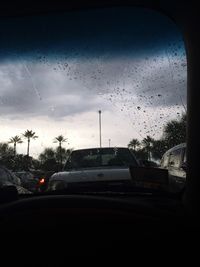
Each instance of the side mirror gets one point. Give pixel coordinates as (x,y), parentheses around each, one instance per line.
(184,166)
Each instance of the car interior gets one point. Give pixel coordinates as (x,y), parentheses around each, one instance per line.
(158,228)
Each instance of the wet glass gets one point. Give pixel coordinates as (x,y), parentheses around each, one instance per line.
(58,71)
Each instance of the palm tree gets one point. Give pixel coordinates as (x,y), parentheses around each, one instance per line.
(159,147)
(47,159)
(133,144)
(5,150)
(65,153)
(147,144)
(175,131)
(15,140)
(47,154)
(60,139)
(6,155)
(29,134)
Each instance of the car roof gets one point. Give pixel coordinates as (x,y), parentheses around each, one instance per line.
(182,145)
(100,148)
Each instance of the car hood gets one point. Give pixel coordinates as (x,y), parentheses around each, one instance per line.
(91,175)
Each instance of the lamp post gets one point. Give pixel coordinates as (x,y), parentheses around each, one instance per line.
(109,142)
(99,128)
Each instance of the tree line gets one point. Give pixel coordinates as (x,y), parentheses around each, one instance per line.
(174,133)
(49,159)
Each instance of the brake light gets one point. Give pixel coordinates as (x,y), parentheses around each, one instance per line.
(41,181)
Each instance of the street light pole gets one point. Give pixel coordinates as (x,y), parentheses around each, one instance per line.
(109,142)
(100,128)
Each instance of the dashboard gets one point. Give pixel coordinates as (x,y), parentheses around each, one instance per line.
(64,226)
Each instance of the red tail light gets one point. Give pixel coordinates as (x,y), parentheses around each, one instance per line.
(42,181)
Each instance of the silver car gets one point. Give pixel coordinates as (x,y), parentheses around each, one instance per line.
(174,160)
(28,180)
(8,178)
(94,166)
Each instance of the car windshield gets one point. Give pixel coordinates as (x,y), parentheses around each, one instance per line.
(102,88)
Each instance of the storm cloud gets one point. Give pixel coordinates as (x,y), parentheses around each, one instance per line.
(63,88)
(37,90)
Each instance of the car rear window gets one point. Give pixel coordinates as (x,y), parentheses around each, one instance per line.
(100,158)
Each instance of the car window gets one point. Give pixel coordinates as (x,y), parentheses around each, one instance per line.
(175,158)
(103,78)
(105,157)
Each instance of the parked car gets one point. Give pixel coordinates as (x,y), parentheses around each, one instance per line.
(99,165)
(147,163)
(28,180)
(8,178)
(175,161)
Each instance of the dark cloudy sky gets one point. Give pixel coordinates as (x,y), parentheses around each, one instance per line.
(57,72)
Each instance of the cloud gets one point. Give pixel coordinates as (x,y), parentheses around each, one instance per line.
(58,89)
(155,81)
(39,90)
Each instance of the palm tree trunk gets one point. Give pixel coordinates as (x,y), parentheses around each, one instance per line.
(60,153)
(28,147)
(14,149)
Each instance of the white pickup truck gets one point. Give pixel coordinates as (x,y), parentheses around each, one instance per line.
(94,166)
